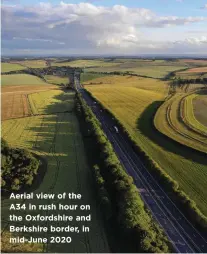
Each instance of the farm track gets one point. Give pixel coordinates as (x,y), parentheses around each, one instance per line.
(183,235)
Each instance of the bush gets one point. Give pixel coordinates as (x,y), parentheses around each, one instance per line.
(18,168)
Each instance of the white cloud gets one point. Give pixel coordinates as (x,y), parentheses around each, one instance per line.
(84,26)
(204,7)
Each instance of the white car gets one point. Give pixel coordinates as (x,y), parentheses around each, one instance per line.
(116,129)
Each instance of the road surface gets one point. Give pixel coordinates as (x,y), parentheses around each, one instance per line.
(184,237)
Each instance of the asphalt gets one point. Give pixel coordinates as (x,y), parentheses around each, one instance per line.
(184,237)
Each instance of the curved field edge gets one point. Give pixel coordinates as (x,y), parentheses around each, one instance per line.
(171,176)
(170,119)
(190,117)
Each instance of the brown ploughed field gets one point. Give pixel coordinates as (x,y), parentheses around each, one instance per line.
(15,102)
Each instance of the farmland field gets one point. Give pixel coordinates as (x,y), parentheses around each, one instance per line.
(143,67)
(15,102)
(193,73)
(85,63)
(56,79)
(191,63)
(135,108)
(90,76)
(56,138)
(32,63)
(174,120)
(151,70)
(7,67)
(136,82)
(21,79)
(199,108)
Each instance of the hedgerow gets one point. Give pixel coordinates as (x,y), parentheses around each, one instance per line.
(116,187)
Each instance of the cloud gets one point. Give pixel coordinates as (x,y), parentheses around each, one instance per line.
(204,7)
(85,27)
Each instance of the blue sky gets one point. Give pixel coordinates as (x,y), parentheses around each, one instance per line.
(104,26)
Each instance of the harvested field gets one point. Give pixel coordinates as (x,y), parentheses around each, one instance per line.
(135,108)
(15,102)
(200,108)
(56,138)
(21,79)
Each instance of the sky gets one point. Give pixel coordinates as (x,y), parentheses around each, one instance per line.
(103,27)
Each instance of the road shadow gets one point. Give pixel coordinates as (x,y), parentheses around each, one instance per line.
(146,126)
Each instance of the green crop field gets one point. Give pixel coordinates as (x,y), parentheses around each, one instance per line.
(7,67)
(21,79)
(56,138)
(135,106)
(56,79)
(90,76)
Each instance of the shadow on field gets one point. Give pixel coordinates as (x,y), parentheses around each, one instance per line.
(146,126)
(54,137)
(64,103)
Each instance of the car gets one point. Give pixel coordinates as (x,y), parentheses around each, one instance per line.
(116,129)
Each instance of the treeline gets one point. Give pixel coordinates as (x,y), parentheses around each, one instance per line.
(187,205)
(118,196)
(120,73)
(18,168)
(181,81)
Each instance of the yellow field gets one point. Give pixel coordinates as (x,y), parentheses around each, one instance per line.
(130,81)
(50,102)
(173,119)
(135,105)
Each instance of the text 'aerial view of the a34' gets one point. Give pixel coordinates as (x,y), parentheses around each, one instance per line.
(103,126)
